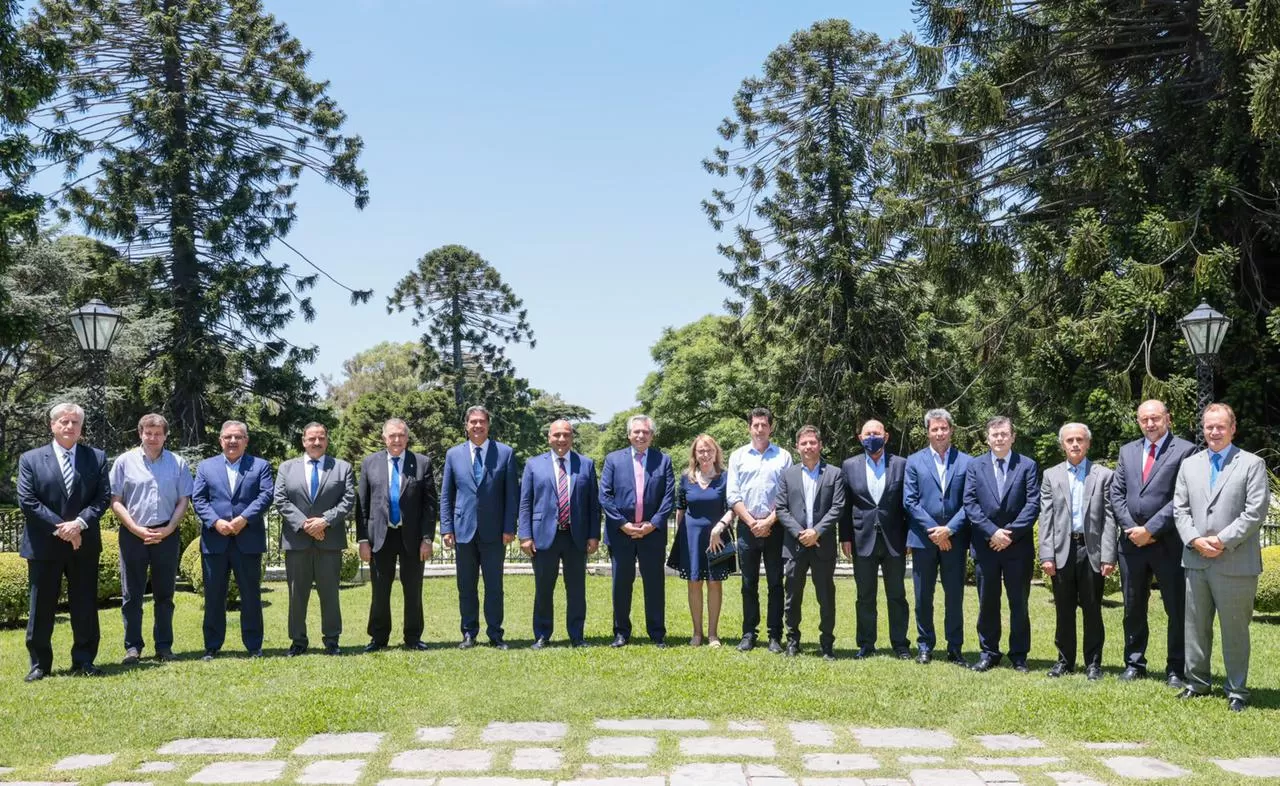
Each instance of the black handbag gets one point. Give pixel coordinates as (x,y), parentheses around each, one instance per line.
(728,551)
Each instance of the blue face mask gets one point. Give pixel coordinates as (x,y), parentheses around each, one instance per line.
(873,444)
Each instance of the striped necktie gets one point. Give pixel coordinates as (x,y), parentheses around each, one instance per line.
(562,497)
(68,472)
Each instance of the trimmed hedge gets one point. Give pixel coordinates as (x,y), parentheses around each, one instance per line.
(1268,599)
(350,564)
(191,568)
(13,588)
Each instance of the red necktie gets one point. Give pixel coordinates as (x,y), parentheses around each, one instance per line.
(562,495)
(1149,463)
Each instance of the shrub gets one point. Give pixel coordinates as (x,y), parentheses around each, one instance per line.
(191,568)
(13,588)
(1268,599)
(350,564)
(188,529)
(109,567)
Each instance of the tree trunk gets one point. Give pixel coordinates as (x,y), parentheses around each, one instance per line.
(456,304)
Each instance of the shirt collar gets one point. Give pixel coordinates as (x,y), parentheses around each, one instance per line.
(816,471)
(234,464)
(884,457)
(484,447)
(939,458)
(59,450)
(1146,443)
(635,453)
(1225,453)
(770,448)
(308,459)
(1079,470)
(1008,459)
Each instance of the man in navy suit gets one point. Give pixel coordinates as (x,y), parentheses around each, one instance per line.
(559,525)
(1002,501)
(62,490)
(478,506)
(876,524)
(636,529)
(937,534)
(231,494)
(1142,498)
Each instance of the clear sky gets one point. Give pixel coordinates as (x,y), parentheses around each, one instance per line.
(562,140)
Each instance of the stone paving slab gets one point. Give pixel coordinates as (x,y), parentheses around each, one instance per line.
(6,770)
(442,760)
(493,782)
(812,734)
(912,759)
(610,747)
(772,781)
(839,762)
(999,776)
(156,766)
(339,744)
(838,782)
(1074,779)
(904,738)
(407,782)
(765,771)
(338,771)
(536,759)
(746,726)
(1112,746)
(654,724)
(1144,768)
(883,782)
(85,761)
(650,781)
(1014,761)
(709,775)
(41,783)
(945,778)
(239,772)
(754,747)
(201,746)
(436,734)
(525,731)
(1008,742)
(130,783)
(1255,767)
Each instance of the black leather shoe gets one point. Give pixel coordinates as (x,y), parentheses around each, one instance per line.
(619,641)
(775,646)
(131,656)
(332,649)
(1236,705)
(35,675)
(1132,673)
(209,655)
(1174,681)
(166,656)
(792,650)
(747,644)
(374,646)
(828,655)
(864,652)
(925,657)
(540,644)
(1059,670)
(902,654)
(295,650)
(985,663)
(256,654)
(1187,693)
(660,644)
(956,657)
(1093,673)
(1020,666)
(468,641)
(578,644)
(416,646)
(498,644)
(87,670)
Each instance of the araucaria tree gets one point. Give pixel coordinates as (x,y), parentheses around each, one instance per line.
(193,121)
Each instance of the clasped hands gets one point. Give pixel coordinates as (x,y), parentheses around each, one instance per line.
(1001,540)
(529,549)
(940,537)
(1210,546)
(70,532)
(761,527)
(639,530)
(232,527)
(1050,568)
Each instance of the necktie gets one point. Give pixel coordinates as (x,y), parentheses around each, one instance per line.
(394,492)
(562,497)
(639,487)
(1149,463)
(315,478)
(1215,466)
(68,472)
(1000,477)
(477,467)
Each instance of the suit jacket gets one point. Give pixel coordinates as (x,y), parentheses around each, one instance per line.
(618,490)
(540,500)
(1149,504)
(862,513)
(334,501)
(793,514)
(927,506)
(213,499)
(483,512)
(1055,516)
(989,511)
(1233,510)
(45,503)
(419,502)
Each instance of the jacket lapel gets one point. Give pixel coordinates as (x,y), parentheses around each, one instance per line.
(1090,480)
(54,468)
(1155,465)
(1223,474)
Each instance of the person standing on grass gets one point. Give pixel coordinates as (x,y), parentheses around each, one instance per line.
(702,524)
(150,493)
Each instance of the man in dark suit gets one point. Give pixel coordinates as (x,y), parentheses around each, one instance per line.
(1077,547)
(314,495)
(1142,498)
(396,522)
(478,506)
(559,525)
(937,534)
(1002,501)
(810,502)
(637,494)
(230,495)
(875,523)
(62,490)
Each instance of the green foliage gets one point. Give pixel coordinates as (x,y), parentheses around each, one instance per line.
(1267,600)
(109,568)
(350,565)
(191,568)
(13,588)
(430,414)
(391,367)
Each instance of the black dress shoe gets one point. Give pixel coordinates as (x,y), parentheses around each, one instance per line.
(416,646)
(468,641)
(256,654)
(1060,670)
(925,657)
(864,652)
(985,663)
(540,644)
(1132,673)
(1094,672)
(374,646)
(578,644)
(956,657)
(498,644)
(131,656)
(87,670)
(332,649)
(35,675)
(902,654)
(775,646)
(619,641)
(828,655)
(209,655)
(792,650)
(1020,666)
(166,656)
(1236,705)
(747,644)
(1174,681)
(660,644)
(1187,693)
(295,650)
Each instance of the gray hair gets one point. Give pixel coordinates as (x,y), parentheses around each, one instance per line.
(240,424)
(394,422)
(647,420)
(565,421)
(1065,426)
(66,408)
(314,424)
(938,414)
(1000,420)
(474,408)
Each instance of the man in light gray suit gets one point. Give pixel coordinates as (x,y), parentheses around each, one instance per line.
(1218,505)
(1077,547)
(314,495)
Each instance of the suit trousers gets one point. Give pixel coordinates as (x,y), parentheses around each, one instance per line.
(1231,598)
(1014,572)
(136,561)
(546,568)
(650,552)
(796,571)
(1078,585)
(218,569)
(1136,569)
(751,552)
(382,574)
(472,560)
(45,577)
(926,564)
(321,568)
(865,572)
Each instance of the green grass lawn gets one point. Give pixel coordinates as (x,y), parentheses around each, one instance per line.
(134,710)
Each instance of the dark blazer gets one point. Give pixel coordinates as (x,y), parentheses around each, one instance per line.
(1149,504)
(540,500)
(862,513)
(618,490)
(828,507)
(213,500)
(1016,511)
(45,503)
(925,503)
(419,503)
(485,512)
(334,501)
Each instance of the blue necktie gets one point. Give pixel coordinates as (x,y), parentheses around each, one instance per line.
(1000,477)
(1215,466)
(315,478)
(477,467)
(68,473)
(394,496)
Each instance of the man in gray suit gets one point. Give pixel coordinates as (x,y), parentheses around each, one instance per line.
(1077,547)
(314,495)
(810,501)
(1218,505)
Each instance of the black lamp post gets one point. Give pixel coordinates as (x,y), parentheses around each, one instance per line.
(96,326)
(1204,330)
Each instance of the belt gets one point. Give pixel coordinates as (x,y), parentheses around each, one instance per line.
(1077,538)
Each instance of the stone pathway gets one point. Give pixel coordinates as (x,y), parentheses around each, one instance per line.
(640,752)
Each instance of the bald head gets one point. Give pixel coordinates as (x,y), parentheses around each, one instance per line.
(873,437)
(1153,419)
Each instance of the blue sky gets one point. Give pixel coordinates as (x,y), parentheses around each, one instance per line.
(559,139)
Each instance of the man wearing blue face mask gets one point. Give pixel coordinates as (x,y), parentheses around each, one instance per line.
(875,523)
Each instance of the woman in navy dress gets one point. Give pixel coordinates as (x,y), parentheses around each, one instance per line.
(702,518)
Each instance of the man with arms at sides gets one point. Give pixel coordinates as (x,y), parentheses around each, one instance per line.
(62,491)
(559,525)
(150,492)
(754,472)
(810,499)
(231,495)
(478,507)
(937,534)
(314,495)
(1002,501)
(396,522)
(1220,500)
(1077,547)
(875,523)
(1142,498)
(637,494)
